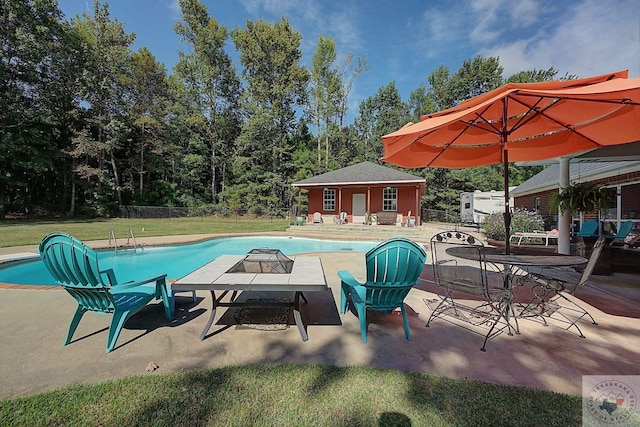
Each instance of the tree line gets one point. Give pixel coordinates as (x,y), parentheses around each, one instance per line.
(87,124)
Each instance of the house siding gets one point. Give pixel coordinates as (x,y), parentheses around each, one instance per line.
(406,199)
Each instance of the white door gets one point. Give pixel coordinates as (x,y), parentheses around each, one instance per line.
(359,208)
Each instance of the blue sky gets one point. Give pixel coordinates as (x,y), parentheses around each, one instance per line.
(405,40)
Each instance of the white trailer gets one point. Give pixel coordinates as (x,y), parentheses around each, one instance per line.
(476,205)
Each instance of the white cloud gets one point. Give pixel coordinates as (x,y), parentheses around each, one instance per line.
(591,37)
(525,12)
(291,9)
(438,30)
(487,14)
(174,10)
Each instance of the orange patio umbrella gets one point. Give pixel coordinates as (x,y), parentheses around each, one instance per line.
(522,122)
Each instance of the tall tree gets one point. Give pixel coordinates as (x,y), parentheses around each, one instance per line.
(349,74)
(324,92)
(379,114)
(276,87)
(147,102)
(530,76)
(420,103)
(37,71)
(439,90)
(209,78)
(475,76)
(107,55)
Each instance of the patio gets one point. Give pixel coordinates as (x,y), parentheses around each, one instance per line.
(550,358)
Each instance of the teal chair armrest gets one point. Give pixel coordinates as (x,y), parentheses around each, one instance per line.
(359,294)
(347,282)
(134,284)
(111,276)
(161,292)
(348,279)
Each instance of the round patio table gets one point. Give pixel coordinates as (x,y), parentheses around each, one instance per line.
(497,256)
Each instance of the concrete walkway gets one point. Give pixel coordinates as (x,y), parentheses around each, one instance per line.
(35,322)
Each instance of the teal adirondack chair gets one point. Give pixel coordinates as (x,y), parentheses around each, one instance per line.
(625,229)
(393,268)
(74,265)
(589,229)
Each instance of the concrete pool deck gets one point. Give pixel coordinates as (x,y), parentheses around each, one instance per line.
(35,322)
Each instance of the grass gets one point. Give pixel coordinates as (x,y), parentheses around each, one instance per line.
(18,233)
(296,395)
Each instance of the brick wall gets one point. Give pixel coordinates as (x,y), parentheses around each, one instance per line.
(630,199)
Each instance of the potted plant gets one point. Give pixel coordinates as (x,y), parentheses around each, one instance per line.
(584,197)
(367,218)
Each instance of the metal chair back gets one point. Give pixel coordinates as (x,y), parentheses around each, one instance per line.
(465,272)
(591,264)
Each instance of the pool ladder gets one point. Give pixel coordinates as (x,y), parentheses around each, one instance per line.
(130,238)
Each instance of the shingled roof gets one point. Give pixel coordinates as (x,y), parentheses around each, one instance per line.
(362,173)
(581,172)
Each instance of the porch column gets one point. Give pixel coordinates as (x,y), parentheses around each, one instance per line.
(339,200)
(564,220)
(417,213)
(618,206)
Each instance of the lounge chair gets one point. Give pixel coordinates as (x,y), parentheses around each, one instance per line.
(633,243)
(555,282)
(589,229)
(393,268)
(546,235)
(74,266)
(342,219)
(618,238)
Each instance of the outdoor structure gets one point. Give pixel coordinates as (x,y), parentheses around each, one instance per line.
(476,205)
(365,191)
(623,178)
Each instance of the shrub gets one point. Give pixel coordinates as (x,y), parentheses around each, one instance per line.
(522,220)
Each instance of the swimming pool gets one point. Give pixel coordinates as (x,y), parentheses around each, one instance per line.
(177,260)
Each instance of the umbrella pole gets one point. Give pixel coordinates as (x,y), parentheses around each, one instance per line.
(507,210)
(505,172)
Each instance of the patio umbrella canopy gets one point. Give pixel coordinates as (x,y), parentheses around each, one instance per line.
(522,122)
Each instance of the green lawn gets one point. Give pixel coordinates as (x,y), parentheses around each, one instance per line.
(293,395)
(16,233)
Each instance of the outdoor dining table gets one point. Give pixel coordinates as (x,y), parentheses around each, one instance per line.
(497,256)
(512,261)
(306,274)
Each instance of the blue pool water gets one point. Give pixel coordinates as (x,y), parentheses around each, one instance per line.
(178,260)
